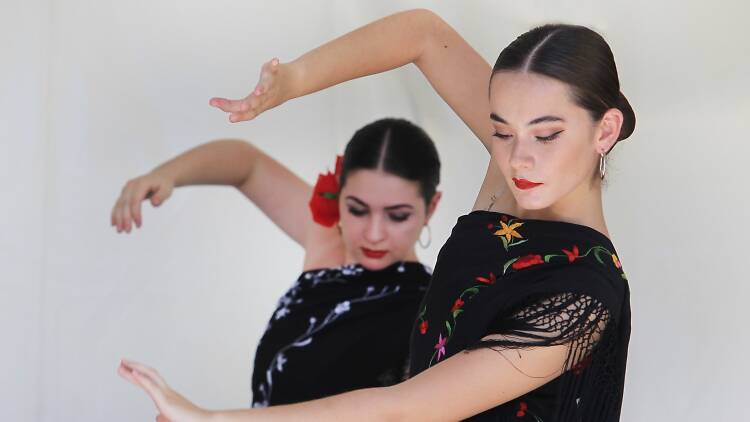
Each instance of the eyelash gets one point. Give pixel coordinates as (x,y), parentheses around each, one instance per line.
(543,139)
(397,218)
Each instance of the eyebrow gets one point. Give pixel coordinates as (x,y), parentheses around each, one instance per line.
(389,208)
(542,119)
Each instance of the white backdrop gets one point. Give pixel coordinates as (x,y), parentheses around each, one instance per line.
(95,92)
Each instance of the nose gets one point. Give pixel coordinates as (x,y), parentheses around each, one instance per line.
(375,230)
(520,156)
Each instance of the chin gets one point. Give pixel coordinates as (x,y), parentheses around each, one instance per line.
(531,203)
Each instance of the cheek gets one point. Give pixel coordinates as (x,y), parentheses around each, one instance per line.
(405,234)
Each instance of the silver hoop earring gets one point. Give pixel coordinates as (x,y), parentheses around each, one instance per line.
(429,237)
(602,165)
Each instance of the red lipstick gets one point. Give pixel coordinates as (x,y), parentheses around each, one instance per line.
(373,254)
(525,184)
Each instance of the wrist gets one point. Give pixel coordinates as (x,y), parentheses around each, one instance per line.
(294,73)
(166,173)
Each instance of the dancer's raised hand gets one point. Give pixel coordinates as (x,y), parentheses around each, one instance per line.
(127,209)
(273,85)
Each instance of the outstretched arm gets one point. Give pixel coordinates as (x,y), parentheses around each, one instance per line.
(278,192)
(463,385)
(453,68)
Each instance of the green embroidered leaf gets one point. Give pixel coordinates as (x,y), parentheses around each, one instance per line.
(597,251)
(519,242)
(456,312)
(505,242)
(623,276)
(472,290)
(508,264)
(449,328)
(550,256)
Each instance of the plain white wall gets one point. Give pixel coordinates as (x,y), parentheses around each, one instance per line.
(95,93)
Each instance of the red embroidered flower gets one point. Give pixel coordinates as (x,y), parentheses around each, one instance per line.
(572,256)
(490,226)
(423,327)
(457,304)
(522,408)
(527,261)
(324,203)
(504,218)
(490,280)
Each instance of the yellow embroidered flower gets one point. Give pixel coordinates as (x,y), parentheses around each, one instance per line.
(616,261)
(509,231)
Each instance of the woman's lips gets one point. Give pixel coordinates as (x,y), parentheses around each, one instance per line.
(525,184)
(373,253)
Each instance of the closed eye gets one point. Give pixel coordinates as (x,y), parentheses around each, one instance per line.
(357,212)
(550,137)
(398,218)
(501,135)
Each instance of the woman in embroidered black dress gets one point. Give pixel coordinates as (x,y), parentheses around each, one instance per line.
(361,280)
(528,315)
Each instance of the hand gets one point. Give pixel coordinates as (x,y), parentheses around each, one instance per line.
(171,405)
(127,209)
(275,81)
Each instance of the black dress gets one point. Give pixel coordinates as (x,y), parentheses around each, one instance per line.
(337,330)
(531,283)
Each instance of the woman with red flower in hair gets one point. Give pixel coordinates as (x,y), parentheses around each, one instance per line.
(345,323)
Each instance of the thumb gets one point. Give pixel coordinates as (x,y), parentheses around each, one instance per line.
(158,196)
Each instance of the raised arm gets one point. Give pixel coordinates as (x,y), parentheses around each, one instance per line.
(278,192)
(453,68)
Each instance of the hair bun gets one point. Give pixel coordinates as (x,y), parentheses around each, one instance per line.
(628,122)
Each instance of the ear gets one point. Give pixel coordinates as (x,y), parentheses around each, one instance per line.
(433,205)
(609,130)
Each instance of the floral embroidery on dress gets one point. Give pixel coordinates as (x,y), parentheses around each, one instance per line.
(523,410)
(506,231)
(455,311)
(324,276)
(570,256)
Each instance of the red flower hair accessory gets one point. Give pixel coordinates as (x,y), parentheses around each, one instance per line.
(324,203)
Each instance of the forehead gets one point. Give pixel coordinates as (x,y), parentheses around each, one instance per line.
(519,97)
(378,188)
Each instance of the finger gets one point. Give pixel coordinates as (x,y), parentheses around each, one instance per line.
(158,196)
(241,117)
(151,373)
(150,387)
(126,222)
(135,206)
(228,105)
(113,216)
(118,215)
(127,373)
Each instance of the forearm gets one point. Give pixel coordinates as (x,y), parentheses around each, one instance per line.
(380,46)
(454,69)
(372,404)
(223,162)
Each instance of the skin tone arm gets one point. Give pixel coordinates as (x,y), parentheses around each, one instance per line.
(481,378)
(278,192)
(454,69)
